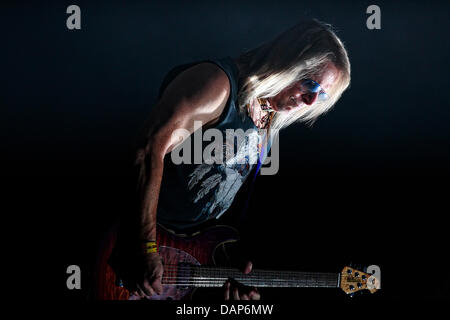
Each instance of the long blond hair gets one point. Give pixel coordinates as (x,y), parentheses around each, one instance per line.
(298,53)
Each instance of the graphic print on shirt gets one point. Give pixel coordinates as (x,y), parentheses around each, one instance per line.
(215,185)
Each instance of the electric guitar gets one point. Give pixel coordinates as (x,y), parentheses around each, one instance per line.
(189,263)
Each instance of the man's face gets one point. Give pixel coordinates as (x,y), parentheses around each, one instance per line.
(298,95)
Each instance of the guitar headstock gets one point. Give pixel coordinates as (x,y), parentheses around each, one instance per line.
(353,280)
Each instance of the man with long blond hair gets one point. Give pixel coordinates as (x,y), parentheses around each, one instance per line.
(297,76)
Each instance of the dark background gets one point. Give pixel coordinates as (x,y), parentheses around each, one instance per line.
(367,184)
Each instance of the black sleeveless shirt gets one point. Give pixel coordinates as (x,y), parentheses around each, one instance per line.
(192,193)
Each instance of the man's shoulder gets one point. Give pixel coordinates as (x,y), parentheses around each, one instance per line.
(207,78)
(203,87)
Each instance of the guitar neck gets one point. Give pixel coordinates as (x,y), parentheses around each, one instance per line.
(199,276)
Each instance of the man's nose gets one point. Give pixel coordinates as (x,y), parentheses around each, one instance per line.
(310,97)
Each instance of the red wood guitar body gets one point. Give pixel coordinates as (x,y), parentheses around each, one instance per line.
(175,250)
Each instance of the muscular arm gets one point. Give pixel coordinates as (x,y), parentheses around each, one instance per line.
(197,94)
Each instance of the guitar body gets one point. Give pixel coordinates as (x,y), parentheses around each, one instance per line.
(183,259)
(175,250)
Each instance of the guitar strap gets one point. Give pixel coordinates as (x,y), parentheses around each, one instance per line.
(261,158)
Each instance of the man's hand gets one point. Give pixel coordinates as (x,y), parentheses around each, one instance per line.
(150,283)
(239,291)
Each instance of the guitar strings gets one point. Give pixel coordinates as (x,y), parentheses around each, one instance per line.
(222,280)
(174,267)
(247,280)
(178,273)
(181,266)
(205,272)
(213,276)
(274,283)
(210,276)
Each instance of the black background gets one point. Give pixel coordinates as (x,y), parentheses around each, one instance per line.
(367,184)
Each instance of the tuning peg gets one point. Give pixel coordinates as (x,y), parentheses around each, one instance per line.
(352,295)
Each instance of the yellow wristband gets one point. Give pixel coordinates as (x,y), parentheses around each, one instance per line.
(150,247)
(151,250)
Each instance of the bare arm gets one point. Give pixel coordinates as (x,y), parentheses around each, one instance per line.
(197,94)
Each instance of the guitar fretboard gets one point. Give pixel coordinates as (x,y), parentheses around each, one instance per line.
(199,276)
